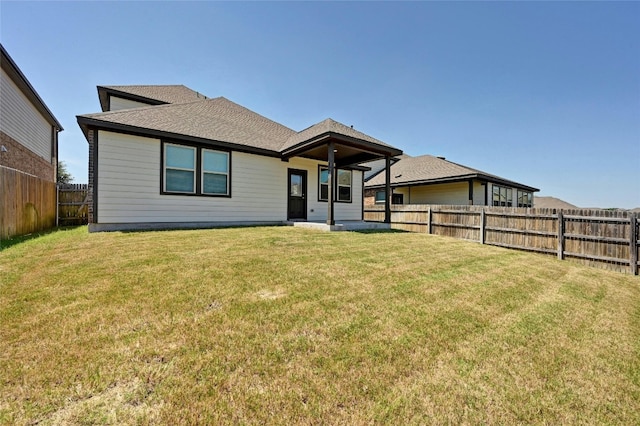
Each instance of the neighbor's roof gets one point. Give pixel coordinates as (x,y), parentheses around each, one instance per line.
(152,94)
(553,203)
(19,79)
(427,169)
(216,119)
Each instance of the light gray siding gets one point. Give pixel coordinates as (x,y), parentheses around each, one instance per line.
(129,170)
(20,120)
(116,103)
(317,210)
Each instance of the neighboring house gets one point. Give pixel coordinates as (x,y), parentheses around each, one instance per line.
(553,203)
(166,156)
(28,130)
(434,180)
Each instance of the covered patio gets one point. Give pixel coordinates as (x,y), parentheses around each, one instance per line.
(342,147)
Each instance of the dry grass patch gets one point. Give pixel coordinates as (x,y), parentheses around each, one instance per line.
(285,325)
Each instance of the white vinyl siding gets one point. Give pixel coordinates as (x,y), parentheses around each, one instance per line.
(317,210)
(116,104)
(129,170)
(20,120)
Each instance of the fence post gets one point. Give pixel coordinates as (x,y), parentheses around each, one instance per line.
(560,235)
(482,224)
(633,244)
(430,218)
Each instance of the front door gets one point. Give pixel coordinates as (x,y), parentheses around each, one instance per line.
(297,189)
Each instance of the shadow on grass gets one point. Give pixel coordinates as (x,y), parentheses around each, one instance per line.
(5,243)
(379,231)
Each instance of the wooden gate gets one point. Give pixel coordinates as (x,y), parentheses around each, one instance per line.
(73,204)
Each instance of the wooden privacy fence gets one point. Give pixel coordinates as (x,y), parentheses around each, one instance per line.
(602,238)
(73,204)
(27,203)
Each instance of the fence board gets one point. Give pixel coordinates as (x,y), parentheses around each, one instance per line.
(602,238)
(73,208)
(27,203)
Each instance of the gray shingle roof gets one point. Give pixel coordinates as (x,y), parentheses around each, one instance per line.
(164,93)
(216,119)
(427,169)
(328,126)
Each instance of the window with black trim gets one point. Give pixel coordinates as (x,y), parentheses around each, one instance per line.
(502,196)
(182,163)
(525,199)
(343,185)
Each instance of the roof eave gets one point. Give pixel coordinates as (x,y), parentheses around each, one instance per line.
(104,93)
(455,179)
(86,123)
(348,140)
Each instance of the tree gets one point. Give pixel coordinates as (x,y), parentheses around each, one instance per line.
(63,174)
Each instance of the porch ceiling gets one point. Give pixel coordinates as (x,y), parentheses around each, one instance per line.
(347,151)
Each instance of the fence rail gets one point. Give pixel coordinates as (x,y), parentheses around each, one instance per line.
(27,203)
(601,238)
(73,204)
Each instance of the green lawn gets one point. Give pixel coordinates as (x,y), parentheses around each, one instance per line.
(283,325)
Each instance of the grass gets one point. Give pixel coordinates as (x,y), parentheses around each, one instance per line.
(285,325)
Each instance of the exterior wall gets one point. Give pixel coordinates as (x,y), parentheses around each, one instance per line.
(445,193)
(22,122)
(128,175)
(20,158)
(514,192)
(317,210)
(116,103)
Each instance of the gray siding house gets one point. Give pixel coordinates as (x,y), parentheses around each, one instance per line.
(28,129)
(169,157)
(434,180)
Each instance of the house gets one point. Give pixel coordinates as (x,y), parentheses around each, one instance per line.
(28,129)
(169,157)
(28,155)
(434,180)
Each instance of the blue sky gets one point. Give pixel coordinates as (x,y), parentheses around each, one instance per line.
(543,93)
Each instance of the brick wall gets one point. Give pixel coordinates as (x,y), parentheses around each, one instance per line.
(370,197)
(20,158)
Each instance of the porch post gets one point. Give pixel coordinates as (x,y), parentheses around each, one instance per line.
(330,215)
(387,190)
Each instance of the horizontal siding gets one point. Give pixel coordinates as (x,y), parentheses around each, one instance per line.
(116,103)
(20,120)
(445,193)
(478,194)
(317,211)
(129,170)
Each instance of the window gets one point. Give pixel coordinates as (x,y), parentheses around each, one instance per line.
(343,185)
(215,172)
(181,165)
(395,198)
(179,169)
(502,196)
(525,199)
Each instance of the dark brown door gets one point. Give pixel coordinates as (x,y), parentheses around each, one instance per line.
(297,189)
